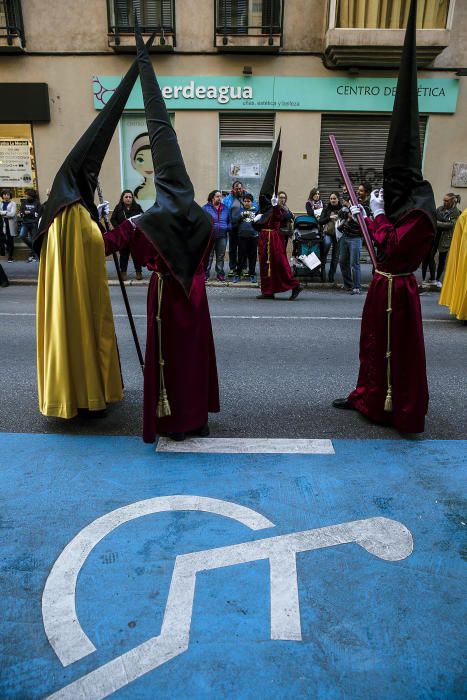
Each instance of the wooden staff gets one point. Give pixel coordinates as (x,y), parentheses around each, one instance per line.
(353,199)
(122,286)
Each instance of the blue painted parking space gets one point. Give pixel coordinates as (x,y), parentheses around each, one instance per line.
(135,574)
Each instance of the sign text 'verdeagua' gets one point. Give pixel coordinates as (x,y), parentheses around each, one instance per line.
(220,93)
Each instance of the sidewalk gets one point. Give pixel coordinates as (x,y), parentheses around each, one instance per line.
(23,273)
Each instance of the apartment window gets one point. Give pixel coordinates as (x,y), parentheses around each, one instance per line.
(249,16)
(388,14)
(152,15)
(11,20)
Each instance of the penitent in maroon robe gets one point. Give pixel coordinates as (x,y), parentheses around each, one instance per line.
(190,370)
(276,274)
(403,248)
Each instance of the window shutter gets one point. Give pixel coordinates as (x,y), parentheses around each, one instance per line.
(232,16)
(271,16)
(362,142)
(246,127)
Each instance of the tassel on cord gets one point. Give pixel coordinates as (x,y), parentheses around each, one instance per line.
(390,279)
(268,260)
(163,405)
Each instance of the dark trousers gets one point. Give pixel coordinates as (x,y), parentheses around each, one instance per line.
(218,249)
(233,249)
(124,257)
(6,242)
(247,251)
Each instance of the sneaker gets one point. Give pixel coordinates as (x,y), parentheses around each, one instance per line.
(220,278)
(430,283)
(236,279)
(356,291)
(245,273)
(10,260)
(438,284)
(231,273)
(139,275)
(253,279)
(31,259)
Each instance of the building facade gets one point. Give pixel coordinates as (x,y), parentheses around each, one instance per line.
(233,72)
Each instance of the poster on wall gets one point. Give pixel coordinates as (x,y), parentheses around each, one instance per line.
(15,163)
(137,167)
(245,170)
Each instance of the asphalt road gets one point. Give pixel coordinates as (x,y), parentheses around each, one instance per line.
(280,365)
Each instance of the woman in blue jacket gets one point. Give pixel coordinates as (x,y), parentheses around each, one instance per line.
(220,215)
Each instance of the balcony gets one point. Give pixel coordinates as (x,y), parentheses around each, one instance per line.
(12,38)
(370,33)
(153,16)
(248,25)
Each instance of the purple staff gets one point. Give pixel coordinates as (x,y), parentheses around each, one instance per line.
(353,199)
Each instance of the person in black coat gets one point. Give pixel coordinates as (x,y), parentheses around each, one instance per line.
(327,222)
(125,209)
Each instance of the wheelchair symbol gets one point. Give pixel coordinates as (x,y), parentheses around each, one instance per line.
(384,538)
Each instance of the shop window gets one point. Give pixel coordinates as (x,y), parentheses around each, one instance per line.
(17,160)
(389,14)
(245,152)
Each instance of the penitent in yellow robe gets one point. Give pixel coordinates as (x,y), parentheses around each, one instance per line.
(77,356)
(454,290)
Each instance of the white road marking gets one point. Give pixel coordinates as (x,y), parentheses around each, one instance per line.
(384,538)
(263,317)
(61,624)
(247,446)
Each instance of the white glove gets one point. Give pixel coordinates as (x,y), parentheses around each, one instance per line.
(133,219)
(357,209)
(103,210)
(257,217)
(377,202)
(274,200)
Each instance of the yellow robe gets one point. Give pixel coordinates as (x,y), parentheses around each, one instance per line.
(77,356)
(454,289)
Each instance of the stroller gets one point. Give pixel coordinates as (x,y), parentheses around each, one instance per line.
(307,239)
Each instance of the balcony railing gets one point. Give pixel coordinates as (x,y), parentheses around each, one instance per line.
(253,24)
(153,16)
(388,14)
(11,26)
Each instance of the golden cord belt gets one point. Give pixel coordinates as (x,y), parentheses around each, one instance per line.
(390,277)
(268,259)
(163,406)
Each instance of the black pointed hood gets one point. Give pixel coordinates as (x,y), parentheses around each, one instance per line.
(269,182)
(404,186)
(76,181)
(176,225)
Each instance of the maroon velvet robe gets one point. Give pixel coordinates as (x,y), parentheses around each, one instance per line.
(276,276)
(190,371)
(404,247)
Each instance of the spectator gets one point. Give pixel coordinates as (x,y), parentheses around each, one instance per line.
(221,217)
(8,231)
(350,248)
(286,220)
(446,217)
(233,201)
(247,239)
(454,291)
(314,205)
(126,207)
(363,194)
(29,213)
(327,221)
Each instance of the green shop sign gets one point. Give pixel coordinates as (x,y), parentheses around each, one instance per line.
(284,93)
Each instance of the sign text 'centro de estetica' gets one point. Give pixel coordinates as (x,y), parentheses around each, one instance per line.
(436,95)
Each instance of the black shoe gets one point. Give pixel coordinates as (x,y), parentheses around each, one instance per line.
(266,296)
(343,403)
(200,432)
(176,437)
(296,292)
